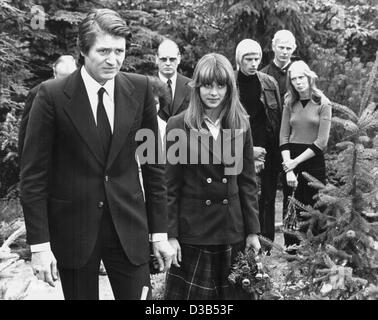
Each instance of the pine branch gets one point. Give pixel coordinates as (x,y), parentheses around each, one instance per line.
(370,85)
(368,114)
(345,110)
(348,125)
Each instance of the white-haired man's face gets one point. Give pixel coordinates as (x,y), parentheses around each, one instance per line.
(168,59)
(283,50)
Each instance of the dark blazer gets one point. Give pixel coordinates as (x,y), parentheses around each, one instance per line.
(66,182)
(25,117)
(205,206)
(180,100)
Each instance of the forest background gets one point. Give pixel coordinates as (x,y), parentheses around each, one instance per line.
(338,38)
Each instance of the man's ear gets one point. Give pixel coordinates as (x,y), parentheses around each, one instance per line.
(156,59)
(178,59)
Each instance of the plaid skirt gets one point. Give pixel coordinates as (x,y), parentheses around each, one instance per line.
(203,273)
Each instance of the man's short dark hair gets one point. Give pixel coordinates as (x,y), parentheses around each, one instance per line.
(99,21)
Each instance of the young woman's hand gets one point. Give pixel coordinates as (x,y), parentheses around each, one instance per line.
(259,166)
(289,165)
(177,251)
(259,153)
(291,179)
(252,242)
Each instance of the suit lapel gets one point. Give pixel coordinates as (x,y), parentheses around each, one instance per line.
(125,110)
(179,94)
(81,114)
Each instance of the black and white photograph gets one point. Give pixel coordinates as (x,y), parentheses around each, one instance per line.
(203,151)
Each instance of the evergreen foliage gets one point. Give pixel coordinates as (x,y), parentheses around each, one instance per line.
(338,255)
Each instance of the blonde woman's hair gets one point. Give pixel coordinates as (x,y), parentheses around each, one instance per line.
(214,67)
(292,95)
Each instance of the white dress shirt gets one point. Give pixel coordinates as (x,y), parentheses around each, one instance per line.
(173,85)
(92,87)
(214,127)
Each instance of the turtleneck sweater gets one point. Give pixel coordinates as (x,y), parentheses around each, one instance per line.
(250,92)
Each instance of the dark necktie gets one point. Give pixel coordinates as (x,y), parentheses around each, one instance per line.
(103,125)
(169,83)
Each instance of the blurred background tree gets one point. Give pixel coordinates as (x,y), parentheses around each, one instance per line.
(338,38)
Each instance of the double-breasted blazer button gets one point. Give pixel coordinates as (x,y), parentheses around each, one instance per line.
(209,180)
(224,180)
(100,204)
(208,202)
(225,201)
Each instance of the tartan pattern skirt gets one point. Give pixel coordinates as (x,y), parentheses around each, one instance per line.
(203,273)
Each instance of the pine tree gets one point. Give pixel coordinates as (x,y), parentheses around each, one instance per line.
(338,255)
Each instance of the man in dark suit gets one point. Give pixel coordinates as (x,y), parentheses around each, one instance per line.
(168,58)
(62,67)
(80,190)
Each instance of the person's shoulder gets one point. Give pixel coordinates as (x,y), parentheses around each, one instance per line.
(267,80)
(320,99)
(177,121)
(34,90)
(183,78)
(133,77)
(266,69)
(55,85)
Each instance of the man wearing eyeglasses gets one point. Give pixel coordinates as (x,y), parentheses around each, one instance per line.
(168,59)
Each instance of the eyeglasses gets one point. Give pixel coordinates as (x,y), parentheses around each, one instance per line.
(165,59)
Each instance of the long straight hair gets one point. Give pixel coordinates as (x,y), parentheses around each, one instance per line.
(214,67)
(292,95)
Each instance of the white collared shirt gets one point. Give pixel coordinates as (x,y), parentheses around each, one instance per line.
(173,85)
(214,127)
(92,87)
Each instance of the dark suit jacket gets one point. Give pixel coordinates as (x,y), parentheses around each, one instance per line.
(205,206)
(180,100)
(66,180)
(25,117)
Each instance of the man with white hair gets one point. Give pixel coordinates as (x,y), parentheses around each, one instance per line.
(283,45)
(260,96)
(168,58)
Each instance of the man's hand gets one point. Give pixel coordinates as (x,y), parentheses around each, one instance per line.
(289,165)
(44,266)
(253,242)
(163,252)
(259,166)
(291,179)
(177,251)
(259,153)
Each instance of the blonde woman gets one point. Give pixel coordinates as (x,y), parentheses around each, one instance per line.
(305,127)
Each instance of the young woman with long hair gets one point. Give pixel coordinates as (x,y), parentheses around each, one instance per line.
(213,214)
(305,127)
